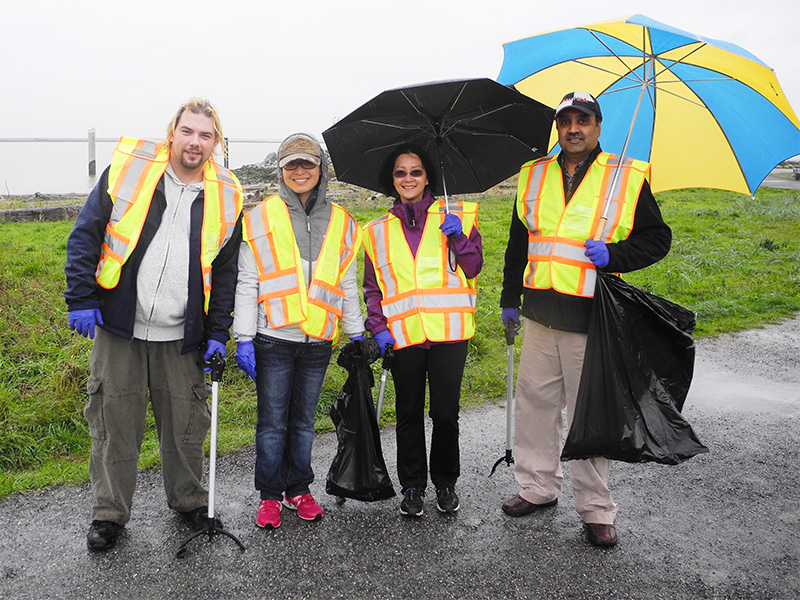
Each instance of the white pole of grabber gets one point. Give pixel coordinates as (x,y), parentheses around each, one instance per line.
(92,154)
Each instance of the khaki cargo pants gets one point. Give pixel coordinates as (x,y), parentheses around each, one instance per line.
(125,374)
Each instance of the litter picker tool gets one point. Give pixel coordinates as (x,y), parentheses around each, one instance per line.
(213,527)
(511,331)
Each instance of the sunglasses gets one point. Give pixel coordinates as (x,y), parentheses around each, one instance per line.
(293,164)
(400,173)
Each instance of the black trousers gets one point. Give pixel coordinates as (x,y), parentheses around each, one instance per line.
(442,367)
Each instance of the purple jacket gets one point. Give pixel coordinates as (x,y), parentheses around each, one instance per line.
(412,217)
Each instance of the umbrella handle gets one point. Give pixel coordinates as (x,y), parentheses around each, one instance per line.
(601,226)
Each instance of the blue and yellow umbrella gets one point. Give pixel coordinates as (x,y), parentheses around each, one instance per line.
(704,113)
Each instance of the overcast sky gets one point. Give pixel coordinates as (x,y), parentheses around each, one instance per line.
(274,68)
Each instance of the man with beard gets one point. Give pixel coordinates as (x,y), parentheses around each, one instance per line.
(151,274)
(552,260)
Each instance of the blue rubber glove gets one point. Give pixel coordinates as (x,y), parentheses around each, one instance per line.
(84,320)
(384,338)
(246,358)
(451,226)
(213,347)
(357,337)
(597,253)
(510,314)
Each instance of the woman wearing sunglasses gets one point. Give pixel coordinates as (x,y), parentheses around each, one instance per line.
(297,280)
(419,288)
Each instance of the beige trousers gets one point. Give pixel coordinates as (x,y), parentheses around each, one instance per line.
(548,380)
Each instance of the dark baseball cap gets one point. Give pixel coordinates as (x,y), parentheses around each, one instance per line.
(582,101)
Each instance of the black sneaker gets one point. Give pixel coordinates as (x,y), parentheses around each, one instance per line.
(198,518)
(103,535)
(447,500)
(411,506)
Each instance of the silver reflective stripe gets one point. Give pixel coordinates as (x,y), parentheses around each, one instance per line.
(381,231)
(257,224)
(284,282)
(229,203)
(134,173)
(589,283)
(276,316)
(325,296)
(399,336)
(613,195)
(540,248)
(331,327)
(456,322)
(148,150)
(396,307)
(570,252)
(116,246)
(454,300)
(530,200)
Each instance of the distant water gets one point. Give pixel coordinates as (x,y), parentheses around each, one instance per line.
(63,167)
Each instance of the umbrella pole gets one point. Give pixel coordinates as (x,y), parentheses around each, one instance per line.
(604,218)
(452,259)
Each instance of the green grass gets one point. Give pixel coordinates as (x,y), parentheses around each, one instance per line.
(734,262)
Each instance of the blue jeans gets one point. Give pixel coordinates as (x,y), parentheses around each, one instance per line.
(289,379)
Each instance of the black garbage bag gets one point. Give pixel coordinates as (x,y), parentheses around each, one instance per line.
(358,470)
(636,375)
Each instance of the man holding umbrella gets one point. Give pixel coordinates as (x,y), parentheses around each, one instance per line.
(576,212)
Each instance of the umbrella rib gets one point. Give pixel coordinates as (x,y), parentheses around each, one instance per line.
(475,115)
(618,57)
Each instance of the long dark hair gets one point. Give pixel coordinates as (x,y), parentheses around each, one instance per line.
(387,179)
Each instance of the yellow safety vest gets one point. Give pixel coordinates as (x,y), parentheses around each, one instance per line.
(136,168)
(282,292)
(556,233)
(423,298)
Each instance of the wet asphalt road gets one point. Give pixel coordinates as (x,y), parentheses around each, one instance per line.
(781,178)
(722,525)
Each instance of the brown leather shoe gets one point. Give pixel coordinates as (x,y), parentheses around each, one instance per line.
(601,534)
(519,507)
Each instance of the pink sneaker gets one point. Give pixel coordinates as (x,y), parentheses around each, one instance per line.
(269,514)
(305,505)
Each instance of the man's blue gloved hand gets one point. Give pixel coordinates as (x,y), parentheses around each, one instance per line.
(597,253)
(384,338)
(510,314)
(84,320)
(213,347)
(451,226)
(246,358)
(356,337)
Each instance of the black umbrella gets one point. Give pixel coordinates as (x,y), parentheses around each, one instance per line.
(478,131)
